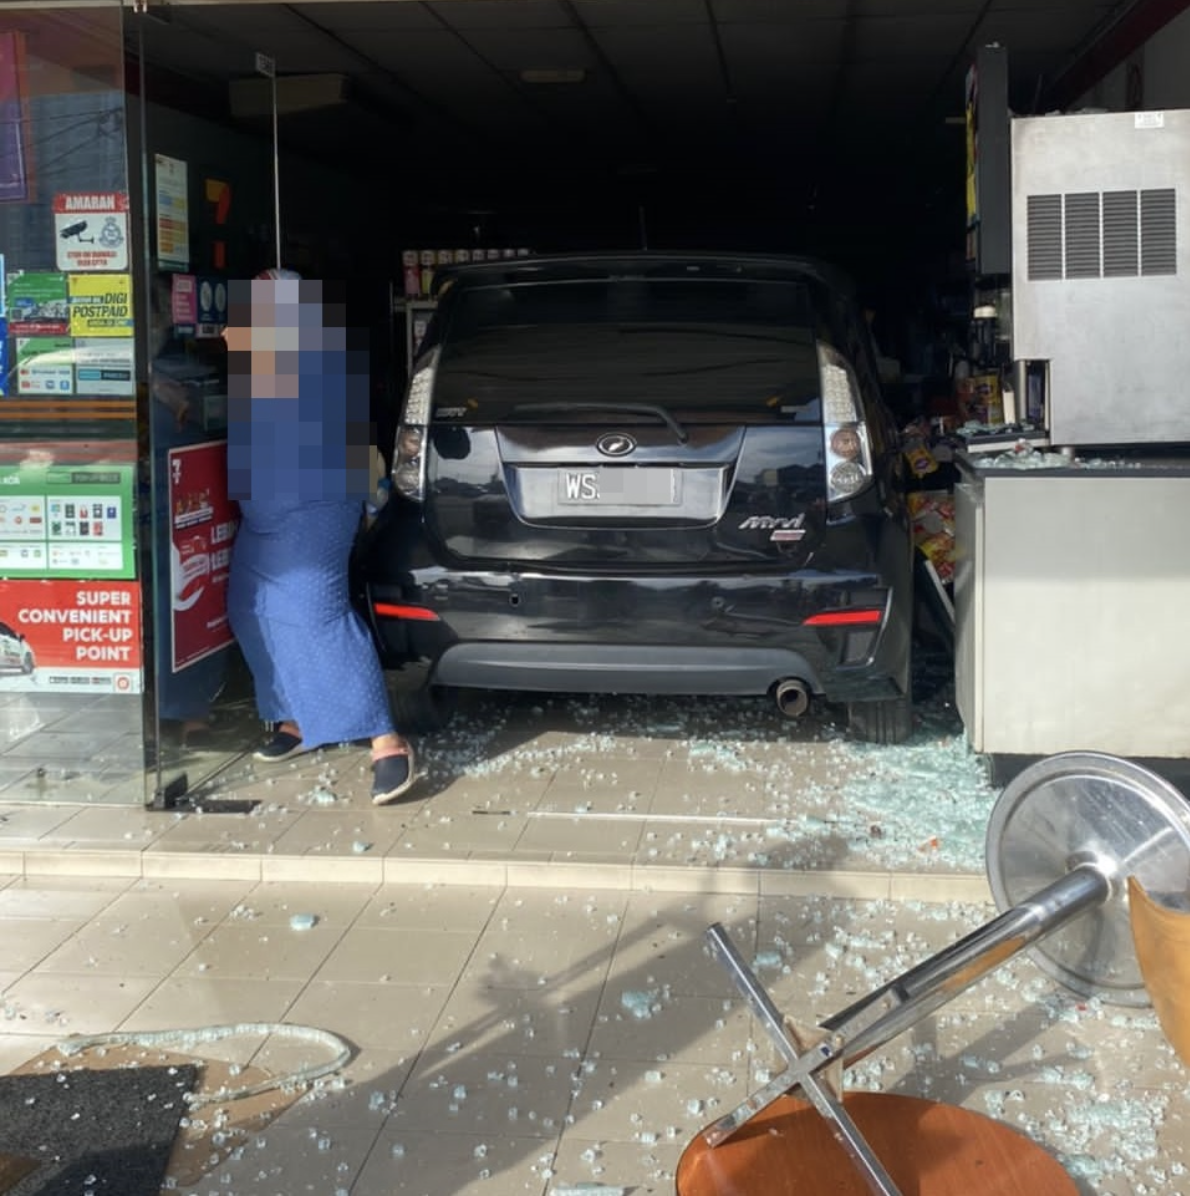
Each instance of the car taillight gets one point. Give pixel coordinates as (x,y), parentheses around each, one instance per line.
(409,464)
(844,430)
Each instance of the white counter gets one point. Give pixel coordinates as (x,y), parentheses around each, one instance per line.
(1072,609)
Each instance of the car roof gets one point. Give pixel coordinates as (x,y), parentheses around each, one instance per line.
(641,264)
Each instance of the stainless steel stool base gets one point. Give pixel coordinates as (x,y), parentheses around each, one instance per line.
(1062,841)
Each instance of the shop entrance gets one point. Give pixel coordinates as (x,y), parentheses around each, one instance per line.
(137,178)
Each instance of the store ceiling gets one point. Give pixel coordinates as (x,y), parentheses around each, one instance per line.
(700,106)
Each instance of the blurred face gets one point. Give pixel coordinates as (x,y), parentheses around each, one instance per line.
(268,320)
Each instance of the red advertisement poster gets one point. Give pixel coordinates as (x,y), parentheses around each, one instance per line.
(72,636)
(202,526)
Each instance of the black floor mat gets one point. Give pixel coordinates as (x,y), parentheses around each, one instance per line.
(108,1132)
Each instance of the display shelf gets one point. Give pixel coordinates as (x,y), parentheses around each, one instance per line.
(416,313)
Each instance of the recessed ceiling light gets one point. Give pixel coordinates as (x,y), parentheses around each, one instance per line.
(554,75)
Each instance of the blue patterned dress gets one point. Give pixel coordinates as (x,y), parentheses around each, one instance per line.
(294,465)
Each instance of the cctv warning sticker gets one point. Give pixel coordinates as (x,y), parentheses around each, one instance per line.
(91,230)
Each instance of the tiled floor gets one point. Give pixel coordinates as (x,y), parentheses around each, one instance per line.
(509,1040)
(516,955)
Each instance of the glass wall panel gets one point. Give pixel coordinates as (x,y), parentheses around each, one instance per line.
(71,661)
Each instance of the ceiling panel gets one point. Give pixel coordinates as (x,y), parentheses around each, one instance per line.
(691,67)
(771,51)
(520,49)
(915,39)
(501,14)
(600,14)
(736,98)
(778,12)
(356,16)
(910,9)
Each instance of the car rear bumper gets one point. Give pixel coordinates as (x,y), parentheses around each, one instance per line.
(691,635)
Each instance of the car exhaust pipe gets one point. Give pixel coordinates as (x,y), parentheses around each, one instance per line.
(792,697)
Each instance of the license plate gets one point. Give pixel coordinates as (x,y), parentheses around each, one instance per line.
(636,487)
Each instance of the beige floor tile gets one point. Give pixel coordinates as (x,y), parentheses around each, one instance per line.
(460,834)
(336,832)
(427,907)
(503,786)
(193,1002)
(59,896)
(575,837)
(30,822)
(612,785)
(705,790)
(663,942)
(362,1094)
(27,942)
(275,952)
(369,955)
(291,1161)
(403,1164)
(72,1004)
(573,870)
(108,826)
(479,1093)
(636,1167)
(548,934)
(274,903)
(545,1021)
(107,946)
(385,1016)
(652,1104)
(178,864)
(200,902)
(639,1022)
(236,833)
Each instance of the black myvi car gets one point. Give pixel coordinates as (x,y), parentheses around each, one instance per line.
(646,473)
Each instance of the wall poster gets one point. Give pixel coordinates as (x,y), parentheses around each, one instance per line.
(70,636)
(66,520)
(202,524)
(100,304)
(173,214)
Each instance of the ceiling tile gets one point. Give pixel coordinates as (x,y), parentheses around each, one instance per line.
(777,12)
(910,9)
(771,50)
(520,49)
(910,37)
(348,17)
(599,14)
(502,14)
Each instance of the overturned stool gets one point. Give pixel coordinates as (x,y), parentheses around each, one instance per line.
(1064,838)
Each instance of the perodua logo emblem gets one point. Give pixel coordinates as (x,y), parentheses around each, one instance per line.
(615,444)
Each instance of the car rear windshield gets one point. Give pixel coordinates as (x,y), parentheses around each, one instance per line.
(692,344)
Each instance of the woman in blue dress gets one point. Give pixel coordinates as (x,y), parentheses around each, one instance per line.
(299,456)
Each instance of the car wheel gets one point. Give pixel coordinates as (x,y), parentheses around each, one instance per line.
(418,707)
(890,721)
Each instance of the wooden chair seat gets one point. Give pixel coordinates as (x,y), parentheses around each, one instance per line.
(929,1149)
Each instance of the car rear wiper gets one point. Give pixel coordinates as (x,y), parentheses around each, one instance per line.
(629,408)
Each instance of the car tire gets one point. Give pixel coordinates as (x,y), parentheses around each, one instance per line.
(418,707)
(889,721)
